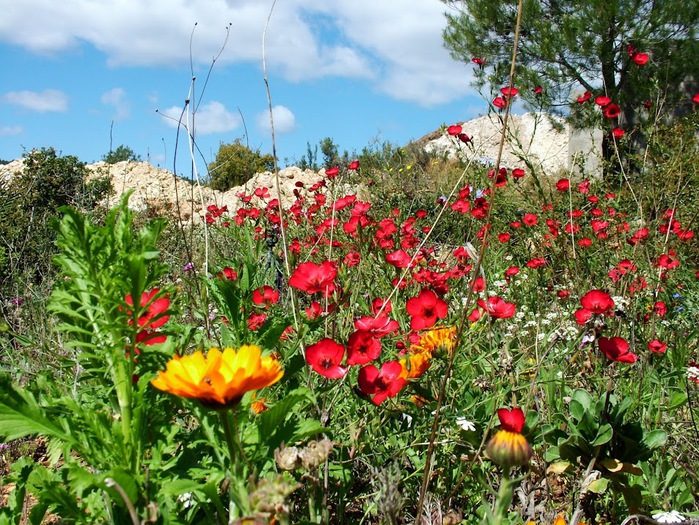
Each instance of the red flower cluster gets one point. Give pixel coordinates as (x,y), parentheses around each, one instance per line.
(153,318)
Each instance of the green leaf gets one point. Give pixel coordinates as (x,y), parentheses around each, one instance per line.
(655,439)
(677,399)
(21,415)
(583,397)
(270,420)
(599,486)
(604,435)
(576,410)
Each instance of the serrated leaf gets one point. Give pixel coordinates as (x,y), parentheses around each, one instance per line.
(21,415)
(270,420)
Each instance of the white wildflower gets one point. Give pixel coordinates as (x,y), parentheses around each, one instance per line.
(465,424)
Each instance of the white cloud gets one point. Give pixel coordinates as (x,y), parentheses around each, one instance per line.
(8,131)
(117,97)
(210,118)
(40,101)
(284,120)
(395,45)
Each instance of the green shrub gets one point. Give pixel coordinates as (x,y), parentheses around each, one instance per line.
(235,164)
(28,203)
(120,154)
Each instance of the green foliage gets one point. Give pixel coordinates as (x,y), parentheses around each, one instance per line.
(30,200)
(235,164)
(122,153)
(566,45)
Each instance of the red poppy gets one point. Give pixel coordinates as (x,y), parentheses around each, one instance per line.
(517,173)
(331,173)
(399,259)
(362,348)
(499,102)
(660,308)
(616,349)
(325,357)
(512,271)
(478,61)
(538,90)
(640,58)
(584,98)
(497,307)
(265,296)
(425,309)
(612,111)
(227,273)
(454,130)
(667,261)
(618,133)
(536,262)
(504,237)
(509,92)
(464,138)
(461,206)
(383,383)
(597,302)
(256,320)
(314,311)
(603,101)
(150,337)
(657,347)
(695,98)
(155,309)
(378,326)
(530,219)
(262,192)
(311,277)
(354,165)
(563,185)
(582,316)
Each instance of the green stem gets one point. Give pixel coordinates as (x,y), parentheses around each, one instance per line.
(502,503)
(236,475)
(123,382)
(228,432)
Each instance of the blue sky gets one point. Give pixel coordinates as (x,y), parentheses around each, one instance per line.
(354,70)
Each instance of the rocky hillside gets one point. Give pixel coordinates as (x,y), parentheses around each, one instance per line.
(544,140)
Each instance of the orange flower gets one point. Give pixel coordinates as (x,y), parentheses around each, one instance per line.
(219,379)
(434,339)
(415,365)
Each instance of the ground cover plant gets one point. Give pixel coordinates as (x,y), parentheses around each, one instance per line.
(483,344)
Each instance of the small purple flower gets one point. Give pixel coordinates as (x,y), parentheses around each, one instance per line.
(187,267)
(587,338)
(17,301)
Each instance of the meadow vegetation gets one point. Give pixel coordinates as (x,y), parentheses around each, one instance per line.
(450,343)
